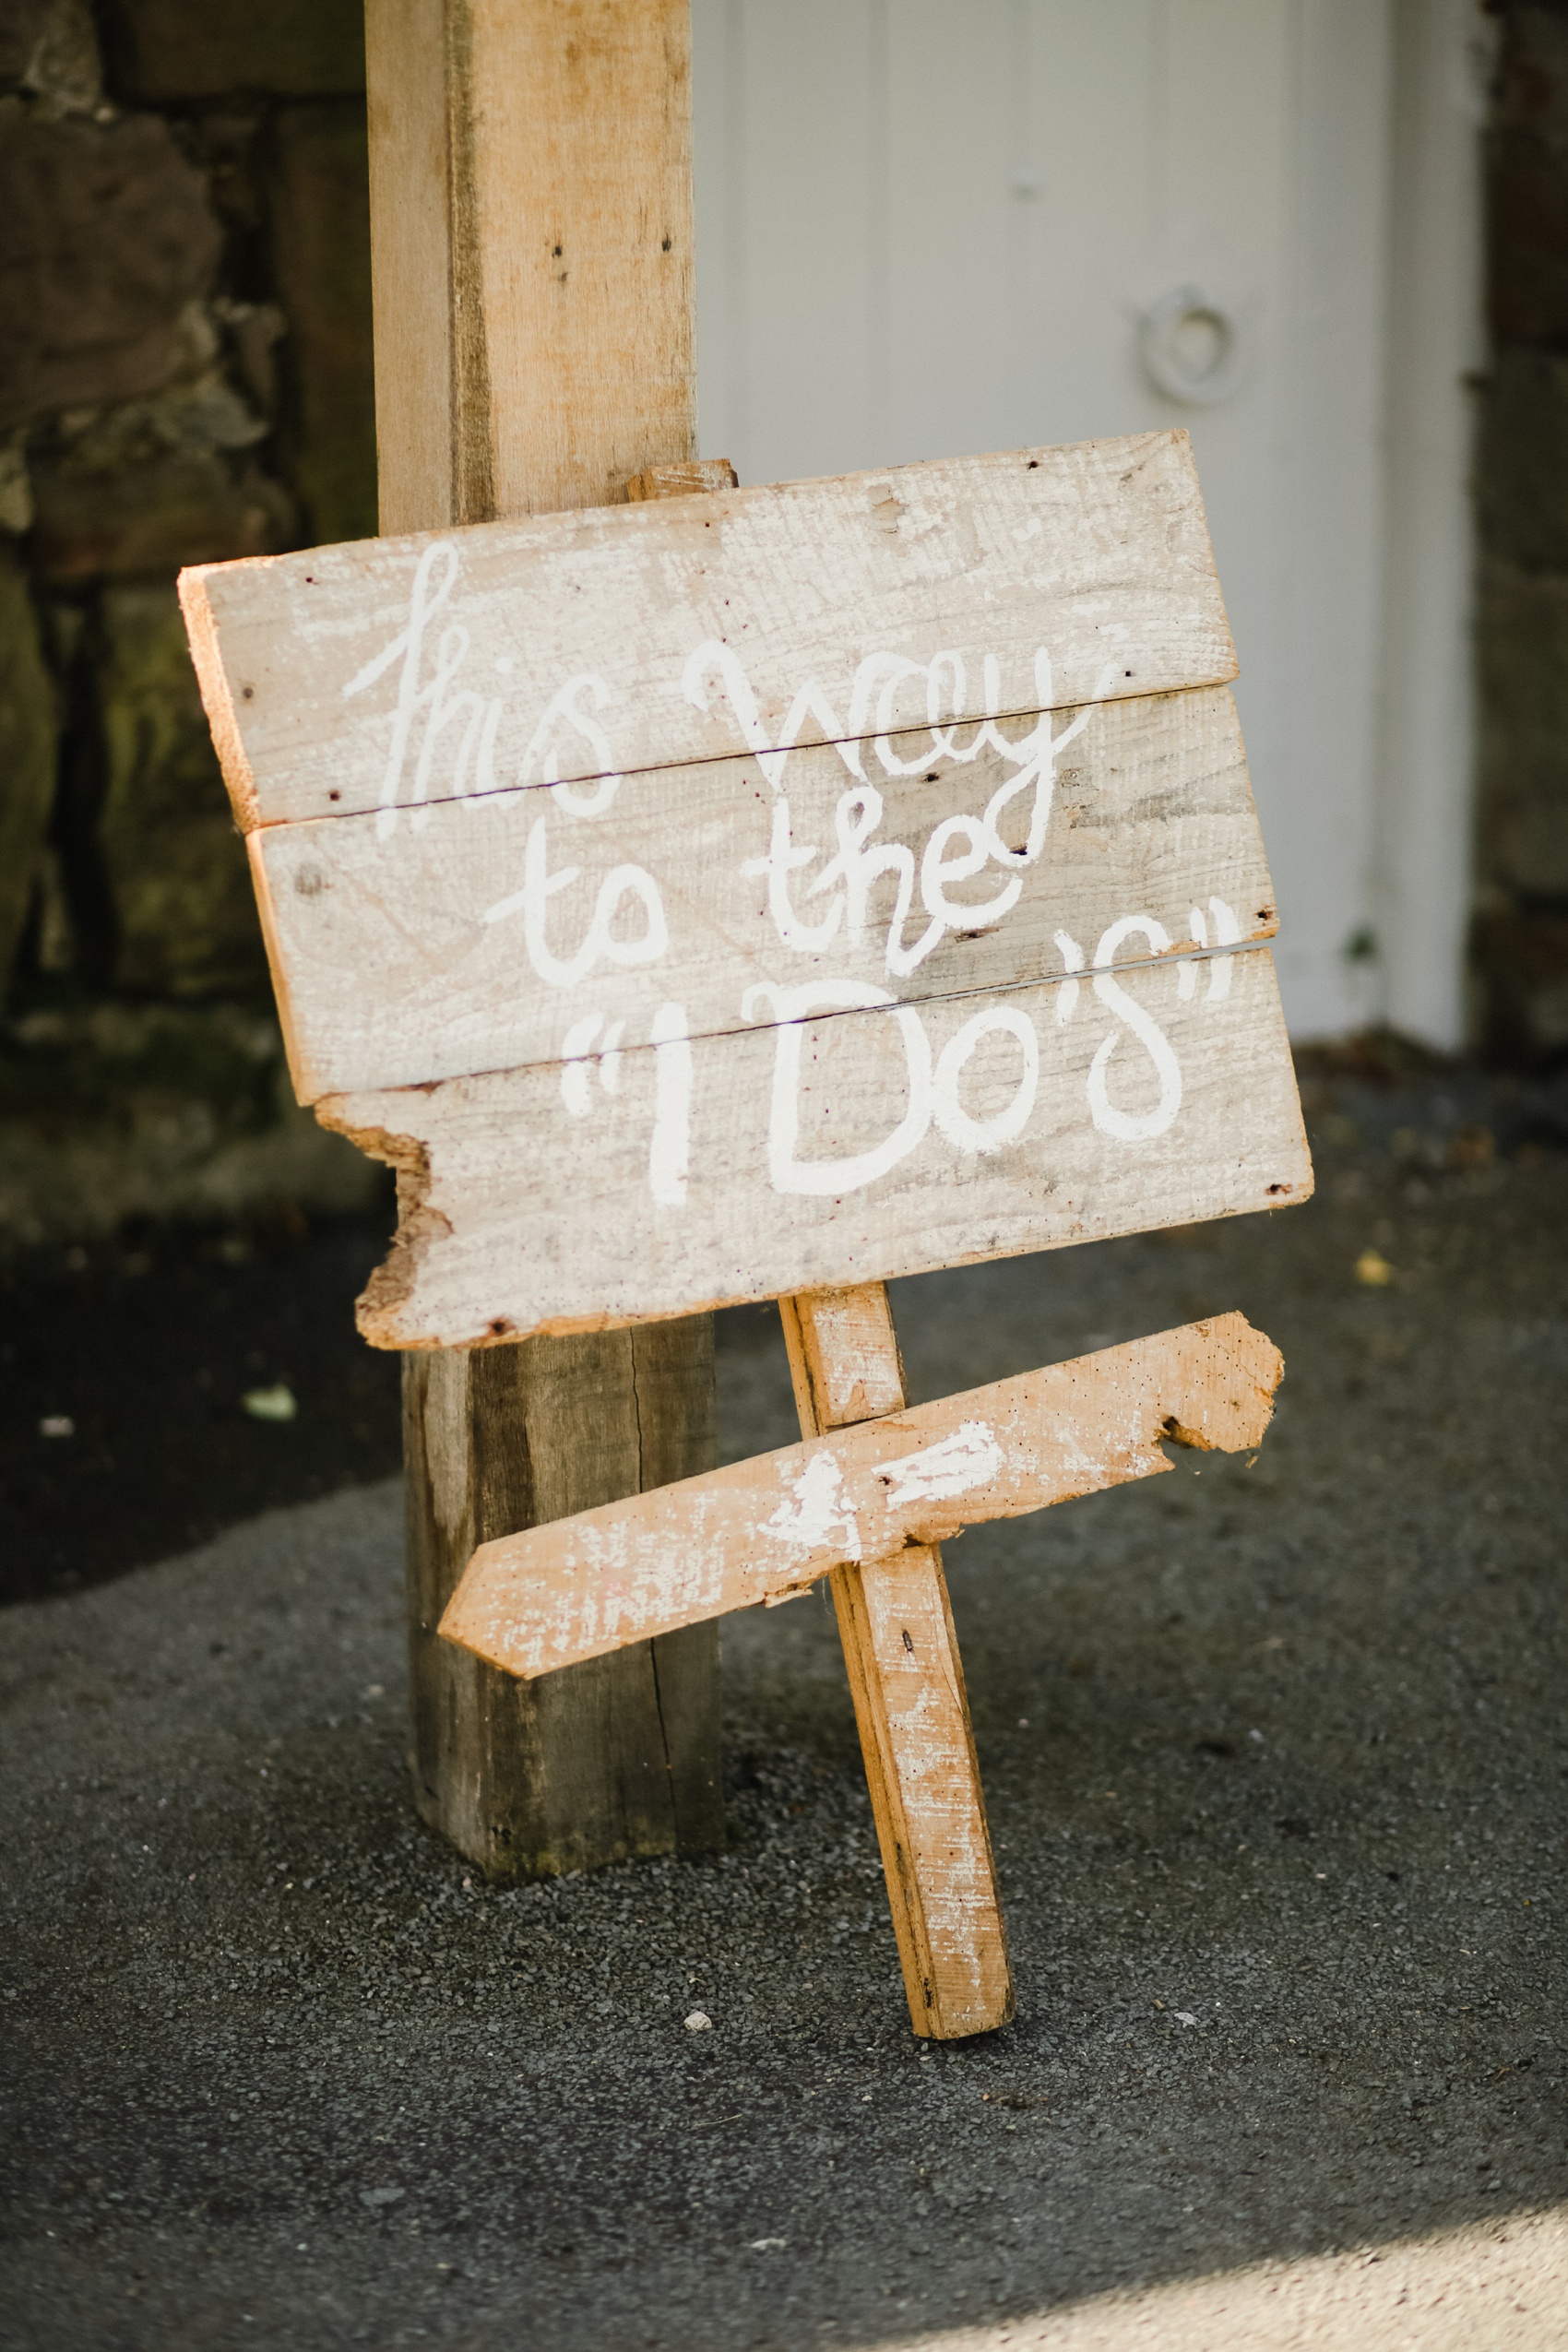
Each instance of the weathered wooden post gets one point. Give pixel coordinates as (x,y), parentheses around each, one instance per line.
(531,238)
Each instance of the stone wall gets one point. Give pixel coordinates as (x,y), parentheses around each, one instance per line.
(185,376)
(1520,933)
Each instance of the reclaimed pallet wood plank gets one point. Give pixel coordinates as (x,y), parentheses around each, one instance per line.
(864,1143)
(395,671)
(906,1681)
(478,940)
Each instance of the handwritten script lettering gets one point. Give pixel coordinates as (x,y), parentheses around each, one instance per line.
(901,718)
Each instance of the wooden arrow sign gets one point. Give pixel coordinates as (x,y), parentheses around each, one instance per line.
(866,1506)
(766,1530)
(762,893)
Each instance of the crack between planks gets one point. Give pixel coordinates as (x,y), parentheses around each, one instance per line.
(1067,711)
(1201,957)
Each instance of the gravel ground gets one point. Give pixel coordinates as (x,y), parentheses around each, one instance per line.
(1276,1760)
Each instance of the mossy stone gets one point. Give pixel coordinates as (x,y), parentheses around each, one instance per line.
(176,866)
(28,727)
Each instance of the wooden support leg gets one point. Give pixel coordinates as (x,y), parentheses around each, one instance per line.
(531,255)
(908,1682)
(615,1757)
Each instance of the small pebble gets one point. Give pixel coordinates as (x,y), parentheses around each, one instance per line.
(275,1404)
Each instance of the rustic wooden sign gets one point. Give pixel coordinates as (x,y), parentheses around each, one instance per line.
(763,893)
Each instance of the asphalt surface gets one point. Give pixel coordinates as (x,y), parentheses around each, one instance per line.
(124,1369)
(1277,1761)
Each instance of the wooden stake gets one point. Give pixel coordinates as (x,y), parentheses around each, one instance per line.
(531,248)
(907,1684)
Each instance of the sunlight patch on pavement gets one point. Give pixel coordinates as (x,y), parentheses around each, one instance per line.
(1502,2284)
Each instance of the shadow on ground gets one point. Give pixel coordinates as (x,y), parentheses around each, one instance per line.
(123,1372)
(1277,1765)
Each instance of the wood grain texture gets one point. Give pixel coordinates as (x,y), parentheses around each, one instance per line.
(615,1758)
(505,385)
(906,1681)
(532,267)
(520,1213)
(759,1530)
(697,475)
(402,670)
(432,955)
(911,1709)
(414,101)
(845,1362)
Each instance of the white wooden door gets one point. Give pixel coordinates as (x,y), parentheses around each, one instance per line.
(933,226)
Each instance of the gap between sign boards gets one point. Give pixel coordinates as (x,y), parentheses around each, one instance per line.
(1200,962)
(658,1208)
(406,959)
(1026,716)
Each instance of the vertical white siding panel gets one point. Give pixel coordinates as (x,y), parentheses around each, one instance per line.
(718,187)
(951,292)
(1097,109)
(787,294)
(1321,819)
(1436,335)
(1228,139)
(812,153)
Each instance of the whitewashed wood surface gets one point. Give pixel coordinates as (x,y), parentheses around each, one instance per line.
(481,939)
(761,1530)
(392,672)
(832,1149)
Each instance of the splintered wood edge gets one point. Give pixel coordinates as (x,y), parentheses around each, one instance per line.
(691,478)
(1233,1422)
(380,1303)
(390,1282)
(201,628)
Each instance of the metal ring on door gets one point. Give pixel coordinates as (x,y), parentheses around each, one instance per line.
(1194,348)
